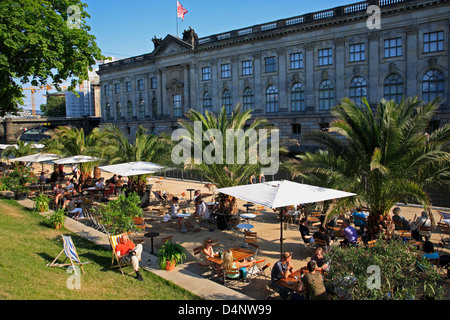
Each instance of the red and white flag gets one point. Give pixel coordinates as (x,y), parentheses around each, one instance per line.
(181,11)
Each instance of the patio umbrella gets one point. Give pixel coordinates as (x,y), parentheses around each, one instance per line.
(133,168)
(37,157)
(76,159)
(283,193)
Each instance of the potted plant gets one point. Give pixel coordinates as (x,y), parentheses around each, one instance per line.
(41,203)
(57,218)
(170,255)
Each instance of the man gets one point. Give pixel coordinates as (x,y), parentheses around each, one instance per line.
(280,271)
(313,283)
(322,235)
(128,251)
(349,233)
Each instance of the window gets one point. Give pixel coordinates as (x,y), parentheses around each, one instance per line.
(249,99)
(393,47)
(296,128)
(118,111)
(129,110)
(297,97)
(207,102)
(206,73)
(141,109)
(271,64)
(177,105)
(107,111)
(106,89)
(357,52)
(128,86)
(326,95)
(272,99)
(433,41)
(227,101)
(358,89)
(153,84)
(433,85)
(117,88)
(140,84)
(325,57)
(296,60)
(393,88)
(247,68)
(225,70)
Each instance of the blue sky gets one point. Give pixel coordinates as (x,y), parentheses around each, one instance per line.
(125,28)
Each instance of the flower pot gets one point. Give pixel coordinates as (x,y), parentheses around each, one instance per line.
(20,195)
(170,265)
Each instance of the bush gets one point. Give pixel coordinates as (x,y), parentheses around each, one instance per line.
(18,179)
(397,261)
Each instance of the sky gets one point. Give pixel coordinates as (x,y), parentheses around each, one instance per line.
(125,28)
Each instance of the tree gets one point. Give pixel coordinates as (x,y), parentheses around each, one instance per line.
(42,41)
(55,107)
(384,158)
(22,149)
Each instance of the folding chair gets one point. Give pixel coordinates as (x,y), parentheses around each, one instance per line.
(258,213)
(71,254)
(258,271)
(444,232)
(227,281)
(119,263)
(321,243)
(250,237)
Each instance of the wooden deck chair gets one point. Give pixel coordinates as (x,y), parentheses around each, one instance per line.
(116,262)
(71,253)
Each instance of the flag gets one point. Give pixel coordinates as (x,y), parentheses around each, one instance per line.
(181,11)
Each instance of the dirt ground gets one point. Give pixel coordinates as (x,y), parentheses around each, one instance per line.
(268,233)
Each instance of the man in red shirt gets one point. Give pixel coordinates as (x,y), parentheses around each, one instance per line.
(128,251)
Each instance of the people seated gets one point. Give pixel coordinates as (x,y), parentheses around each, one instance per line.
(422,221)
(109,189)
(229,264)
(359,213)
(348,233)
(400,222)
(128,251)
(319,258)
(281,270)
(304,231)
(201,209)
(322,235)
(71,207)
(99,184)
(58,193)
(313,283)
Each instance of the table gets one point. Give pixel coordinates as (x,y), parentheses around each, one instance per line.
(183,216)
(248,205)
(244,227)
(248,216)
(291,282)
(238,255)
(190,193)
(151,234)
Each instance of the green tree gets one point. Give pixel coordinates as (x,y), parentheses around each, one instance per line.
(20,150)
(42,41)
(55,107)
(384,158)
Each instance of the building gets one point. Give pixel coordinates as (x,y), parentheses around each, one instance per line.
(290,71)
(87,103)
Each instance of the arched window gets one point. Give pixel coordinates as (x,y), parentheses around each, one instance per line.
(207,102)
(118,111)
(155,108)
(249,99)
(227,101)
(272,99)
(393,88)
(107,112)
(358,89)
(297,97)
(129,110)
(432,85)
(141,109)
(326,95)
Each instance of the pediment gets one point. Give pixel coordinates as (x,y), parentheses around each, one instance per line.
(170,45)
(174,84)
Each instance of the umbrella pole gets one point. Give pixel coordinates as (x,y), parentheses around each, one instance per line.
(281,232)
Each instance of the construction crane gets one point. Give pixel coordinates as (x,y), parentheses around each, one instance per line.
(33,92)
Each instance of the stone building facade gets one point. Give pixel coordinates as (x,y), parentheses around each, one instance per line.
(291,71)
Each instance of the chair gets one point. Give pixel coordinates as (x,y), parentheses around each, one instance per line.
(160,199)
(254,248)
(227,281)
(407,237)
(258,271)
(310,246)
(116,262)
(258,212)
(444,215)
(250,237)
(71,253)
(444,232)
(321,243)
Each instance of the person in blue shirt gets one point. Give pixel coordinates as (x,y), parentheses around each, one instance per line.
(349,234)
(359,213)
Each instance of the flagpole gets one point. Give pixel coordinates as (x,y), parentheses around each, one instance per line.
(176,16)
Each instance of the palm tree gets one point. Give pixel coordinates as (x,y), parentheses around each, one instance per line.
(385,157)
(20,150)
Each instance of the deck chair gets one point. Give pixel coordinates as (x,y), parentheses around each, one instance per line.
(116,262)
(444,215)
(444,232)
(71,254)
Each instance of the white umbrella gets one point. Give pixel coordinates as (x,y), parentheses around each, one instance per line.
(37,157)
(76,159)
(278,194)
(133,168)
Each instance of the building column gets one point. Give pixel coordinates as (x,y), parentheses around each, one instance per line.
(411,61)
(282,76)
(309,77)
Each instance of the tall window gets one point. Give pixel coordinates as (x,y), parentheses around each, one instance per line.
(177,105)
(326,95)
(272,99)
(433,41)
(297,97)
(129,110)
(358,89)
(140,84)
(433,85)
(227,101)
(118,111)
(225,70)
(128,86)
(296,60)
(117,88)
(207,102)
(393,47)
(247,68)
(206,73)
(106,89)
(153,83)
(249,99)
(393,88)
(325,57)
(154,108)
(270,64)
(141,109)
(357,52)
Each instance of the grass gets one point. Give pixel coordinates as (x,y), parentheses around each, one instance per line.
(28,243)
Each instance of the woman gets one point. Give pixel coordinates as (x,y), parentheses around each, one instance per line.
(319,259)
(207,249)
(229,263)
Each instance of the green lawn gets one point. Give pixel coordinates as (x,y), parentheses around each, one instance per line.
(28,243)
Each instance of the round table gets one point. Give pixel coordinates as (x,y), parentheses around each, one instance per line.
(244,227)
(190,193)
(183,215)
(248,216)
(151,235)
(248,205)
